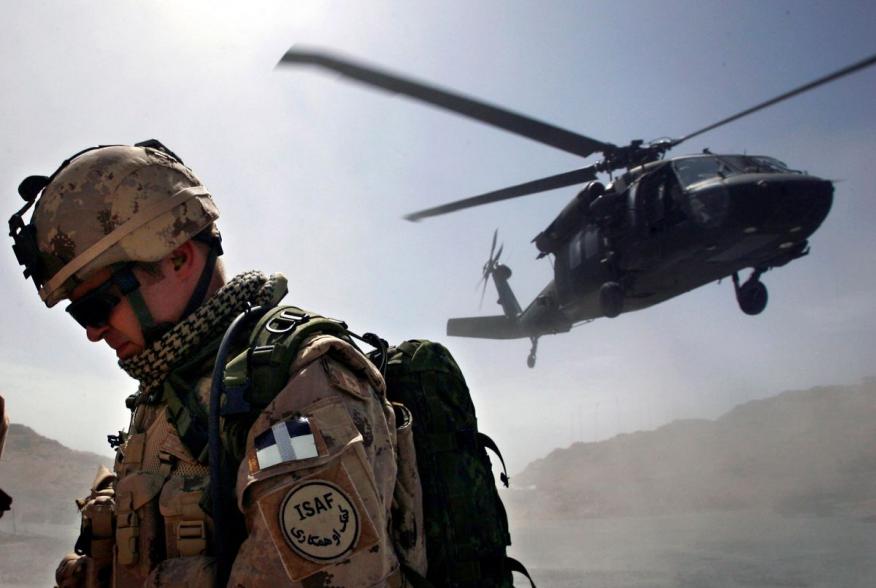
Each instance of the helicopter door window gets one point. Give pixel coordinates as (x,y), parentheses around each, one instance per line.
(591,243)
(585,245)
(575,250)
(673,201)
(658,207)
(654,193)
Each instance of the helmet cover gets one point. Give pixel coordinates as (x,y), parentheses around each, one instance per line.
(112,205)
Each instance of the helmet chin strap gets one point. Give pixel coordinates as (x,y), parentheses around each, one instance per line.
(200,291)
(153,331)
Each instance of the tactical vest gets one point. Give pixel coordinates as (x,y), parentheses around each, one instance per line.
(162,511)
(163,532)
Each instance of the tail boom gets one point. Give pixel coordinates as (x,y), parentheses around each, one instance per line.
(486,327)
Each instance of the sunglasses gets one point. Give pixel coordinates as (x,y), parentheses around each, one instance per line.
(93,308)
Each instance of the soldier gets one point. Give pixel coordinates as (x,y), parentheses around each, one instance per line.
(128,235)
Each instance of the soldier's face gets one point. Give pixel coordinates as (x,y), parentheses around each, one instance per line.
(122,329)
(165,294)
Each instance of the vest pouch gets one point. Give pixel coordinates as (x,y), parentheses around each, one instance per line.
(96,535)
(407,498)
(186,526)
(139,529)
(97,524)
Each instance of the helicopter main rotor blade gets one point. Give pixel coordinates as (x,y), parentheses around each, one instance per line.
(578,176)
(487,113)
(804,88)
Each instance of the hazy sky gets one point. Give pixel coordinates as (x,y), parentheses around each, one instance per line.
(312,174)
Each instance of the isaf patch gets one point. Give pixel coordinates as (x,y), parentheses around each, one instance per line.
(300,539)
(319,521)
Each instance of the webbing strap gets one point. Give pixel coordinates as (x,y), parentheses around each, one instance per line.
(457,440)
(490,444)
(475,571)
(141,311)
(414,579)
(189,420)
(515,566)
(274,345)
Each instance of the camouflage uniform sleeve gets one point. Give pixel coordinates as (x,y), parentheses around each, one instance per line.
(316,484)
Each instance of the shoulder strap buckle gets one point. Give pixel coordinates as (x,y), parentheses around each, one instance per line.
(286,321)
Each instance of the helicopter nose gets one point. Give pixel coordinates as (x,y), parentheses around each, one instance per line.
(779,202)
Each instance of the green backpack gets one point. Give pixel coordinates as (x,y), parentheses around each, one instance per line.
(466,524)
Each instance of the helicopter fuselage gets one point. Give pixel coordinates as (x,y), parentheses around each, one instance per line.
(671,226)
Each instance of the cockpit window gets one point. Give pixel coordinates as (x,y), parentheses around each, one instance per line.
(694,170)
(762,164)
(699,169)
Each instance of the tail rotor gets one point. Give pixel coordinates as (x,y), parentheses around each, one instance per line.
(490,266)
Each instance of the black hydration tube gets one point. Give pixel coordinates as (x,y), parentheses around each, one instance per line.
(217,507)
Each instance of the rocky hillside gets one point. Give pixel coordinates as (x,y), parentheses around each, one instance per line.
(44,477)
(811,451)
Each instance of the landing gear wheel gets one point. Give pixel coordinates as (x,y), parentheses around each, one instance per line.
(752,297)
(611,299)
(530,360)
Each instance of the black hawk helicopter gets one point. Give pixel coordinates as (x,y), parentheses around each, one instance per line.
(661,228)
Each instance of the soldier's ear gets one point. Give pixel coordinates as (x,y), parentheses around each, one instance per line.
(182,260)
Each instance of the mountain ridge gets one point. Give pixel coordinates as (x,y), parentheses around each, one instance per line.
(45,477)
(803,451)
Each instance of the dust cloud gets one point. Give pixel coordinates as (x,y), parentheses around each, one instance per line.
(777,492)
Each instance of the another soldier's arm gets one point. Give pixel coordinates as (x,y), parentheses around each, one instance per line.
(4,424)
(316,484)
(5,499)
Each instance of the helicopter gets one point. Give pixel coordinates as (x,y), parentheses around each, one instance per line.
(660,228)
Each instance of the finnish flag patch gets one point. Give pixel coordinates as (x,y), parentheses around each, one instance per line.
(290,440)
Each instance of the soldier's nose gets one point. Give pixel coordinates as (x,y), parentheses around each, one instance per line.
(95,334)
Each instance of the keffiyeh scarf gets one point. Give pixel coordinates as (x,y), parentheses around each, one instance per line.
(152,365)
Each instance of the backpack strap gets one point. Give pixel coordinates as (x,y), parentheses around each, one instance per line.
(487,442)
(515,566)
(256,376)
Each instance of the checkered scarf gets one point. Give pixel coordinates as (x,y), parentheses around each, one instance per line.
(151,366)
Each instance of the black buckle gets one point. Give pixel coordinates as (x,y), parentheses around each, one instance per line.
(25,246)
(235,400)
(116,440)
(285,322)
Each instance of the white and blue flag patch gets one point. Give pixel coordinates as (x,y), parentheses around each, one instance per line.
(285,441)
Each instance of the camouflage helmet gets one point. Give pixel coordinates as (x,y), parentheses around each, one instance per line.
(109,205)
